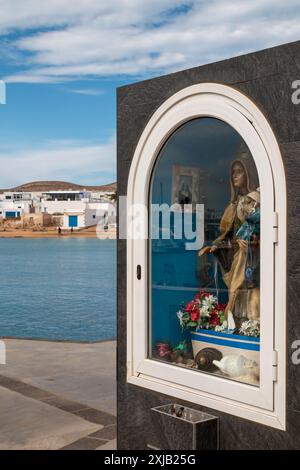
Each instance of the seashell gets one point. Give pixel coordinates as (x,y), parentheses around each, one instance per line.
(234,365)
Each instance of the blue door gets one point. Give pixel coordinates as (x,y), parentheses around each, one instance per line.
(10,215)
(73,220)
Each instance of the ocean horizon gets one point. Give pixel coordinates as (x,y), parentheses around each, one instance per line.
(60,289)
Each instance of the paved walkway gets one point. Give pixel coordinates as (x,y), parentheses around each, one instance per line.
(56,395)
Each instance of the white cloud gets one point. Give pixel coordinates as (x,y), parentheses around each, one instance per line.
(23,14)
(92,38)
(87,91)
(69,160)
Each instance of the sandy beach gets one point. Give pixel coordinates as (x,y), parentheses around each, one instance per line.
(49,232)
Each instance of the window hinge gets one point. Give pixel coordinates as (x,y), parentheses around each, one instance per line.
(274,365)
(139,272)
(275,227)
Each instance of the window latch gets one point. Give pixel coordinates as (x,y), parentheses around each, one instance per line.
(275,227)
(139,272)
(275,366)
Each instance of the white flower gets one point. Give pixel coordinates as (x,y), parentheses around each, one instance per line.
(219,328)
(204,311)
(222,327)
(250,328)
(209,301)
(179,316)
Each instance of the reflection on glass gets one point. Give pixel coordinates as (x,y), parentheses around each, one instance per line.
(204,304)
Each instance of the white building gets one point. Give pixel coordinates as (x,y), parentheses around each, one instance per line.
(15,204)
(102,195)
(78,208)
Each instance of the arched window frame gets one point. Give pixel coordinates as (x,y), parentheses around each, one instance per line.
(265,404)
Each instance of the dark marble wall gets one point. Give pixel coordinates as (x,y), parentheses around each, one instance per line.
(266,77)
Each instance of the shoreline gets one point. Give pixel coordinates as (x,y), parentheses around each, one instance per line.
(111,235)
(73,341)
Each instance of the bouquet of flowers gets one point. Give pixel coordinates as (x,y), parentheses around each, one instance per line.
(250,328)
(203,311)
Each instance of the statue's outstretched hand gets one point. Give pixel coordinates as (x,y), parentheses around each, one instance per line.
(207,249)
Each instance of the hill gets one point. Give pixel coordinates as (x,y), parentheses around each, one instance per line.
(44,186)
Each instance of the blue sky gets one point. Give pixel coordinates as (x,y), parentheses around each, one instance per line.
(62,62)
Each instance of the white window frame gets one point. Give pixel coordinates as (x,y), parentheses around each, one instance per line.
(264,404)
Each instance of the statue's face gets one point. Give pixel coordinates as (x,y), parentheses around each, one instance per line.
(238,176)
(250,205)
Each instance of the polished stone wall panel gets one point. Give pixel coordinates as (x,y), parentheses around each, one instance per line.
(266,77)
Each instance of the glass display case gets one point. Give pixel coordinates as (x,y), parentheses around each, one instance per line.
(206,256)
(205,300)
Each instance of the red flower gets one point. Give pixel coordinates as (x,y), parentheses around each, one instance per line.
(220,307)
(201,295)
(190,306)
(214,318)
(163,349)
(192,309)
(195,315)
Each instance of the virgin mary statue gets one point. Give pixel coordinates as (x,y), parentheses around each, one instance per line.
(232,251)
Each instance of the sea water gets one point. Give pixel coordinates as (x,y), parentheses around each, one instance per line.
(58,289)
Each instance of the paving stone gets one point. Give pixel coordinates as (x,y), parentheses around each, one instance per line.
(110,445)
(64,404)
(108,432)
(84,444)
(29,424)
(82,373)
(96,416)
